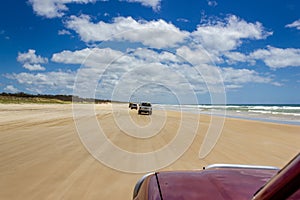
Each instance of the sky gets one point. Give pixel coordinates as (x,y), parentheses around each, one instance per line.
(163,51)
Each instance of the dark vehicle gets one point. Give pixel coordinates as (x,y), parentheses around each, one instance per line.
(224,182)
(134,106)
(145,107)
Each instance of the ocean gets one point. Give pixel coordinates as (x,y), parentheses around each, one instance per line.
(277,113)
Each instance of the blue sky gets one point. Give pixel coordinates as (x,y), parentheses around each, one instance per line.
(195,51)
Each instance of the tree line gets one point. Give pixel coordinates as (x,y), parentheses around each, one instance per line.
(57,96)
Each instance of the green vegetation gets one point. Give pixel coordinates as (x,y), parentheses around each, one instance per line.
(19,98)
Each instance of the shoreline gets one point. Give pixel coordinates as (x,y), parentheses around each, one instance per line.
(228,113)
(275,121)
(243,116)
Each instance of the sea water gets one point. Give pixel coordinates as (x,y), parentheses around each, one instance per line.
(277,113)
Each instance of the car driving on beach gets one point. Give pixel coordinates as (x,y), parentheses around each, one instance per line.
(134,106)
(223,182)
(145,107)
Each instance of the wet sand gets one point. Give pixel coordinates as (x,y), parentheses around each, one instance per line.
(42,156)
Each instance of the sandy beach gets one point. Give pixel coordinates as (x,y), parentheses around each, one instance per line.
(42,155)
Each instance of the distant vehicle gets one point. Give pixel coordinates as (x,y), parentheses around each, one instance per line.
(223,182)
(134,106)
(145,107)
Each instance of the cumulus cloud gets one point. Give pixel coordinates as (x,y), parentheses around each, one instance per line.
(34,67)
(154,4)
(54,8)
(234,57)
(57,8)
(228,35)
(91,57)
(273,57)
(109,73)
(150,56)
(144,66)
(112,71)
(197,55)
(277,57)
(104,69)
(158,34)
(242,76)
(31,61)
(11,89)
(215,35)
(45,82)
(295,24)
(31,57)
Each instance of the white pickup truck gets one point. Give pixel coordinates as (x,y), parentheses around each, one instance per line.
(145,107)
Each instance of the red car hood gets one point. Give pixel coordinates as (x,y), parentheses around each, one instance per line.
(223,182)
(208,184)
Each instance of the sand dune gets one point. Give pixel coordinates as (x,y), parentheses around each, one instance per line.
(42,155)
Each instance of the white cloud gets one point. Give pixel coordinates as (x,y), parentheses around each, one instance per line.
(31,57)
(113,74)
(151,56)
(46,82)
(144,66)
(212,3)
(242,76)
(273,57)
(34,67)
(295,24)
(217,36)
(92,57)
(31,61)
(228,35)
(64,32)
(54,8)
(197,55)
(156,34)
(278,58)
(139,67)
(57,8)
(234,57)
(11,89)
(115,63)
(182,20)
(154,4)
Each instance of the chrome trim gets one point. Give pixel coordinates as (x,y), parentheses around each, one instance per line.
(139,184)
(213,166)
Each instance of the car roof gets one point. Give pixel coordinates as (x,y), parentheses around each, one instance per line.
(145,103)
